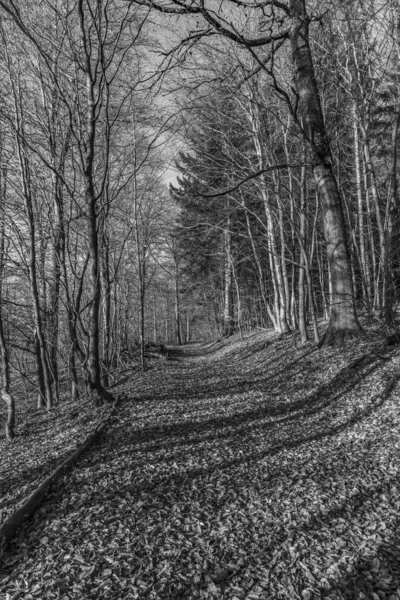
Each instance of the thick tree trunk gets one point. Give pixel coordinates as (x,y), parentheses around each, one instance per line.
(393,228)
(343,319)
(393,232)
(93,371)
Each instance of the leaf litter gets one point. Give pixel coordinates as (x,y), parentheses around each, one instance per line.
(44,440)
(259,470)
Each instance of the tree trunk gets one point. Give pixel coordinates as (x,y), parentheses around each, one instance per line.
(106,285)
(360,212)
(228,292)
(393,229)
(265,303)
(370,171)
(302,267)
(280,317)
(177,307)
(4,358)
(282,259)
(93,371)
(26,184)
(343,319)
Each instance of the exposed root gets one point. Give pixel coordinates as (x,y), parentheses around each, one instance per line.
(99,395)
(338,336)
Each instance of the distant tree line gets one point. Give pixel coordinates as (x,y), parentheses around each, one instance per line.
(288,182)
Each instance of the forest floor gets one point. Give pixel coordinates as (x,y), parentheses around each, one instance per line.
(254,469)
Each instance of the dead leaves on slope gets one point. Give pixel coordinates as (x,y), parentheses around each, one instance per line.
(253,476)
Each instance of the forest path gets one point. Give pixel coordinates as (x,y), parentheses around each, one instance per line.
(257,471)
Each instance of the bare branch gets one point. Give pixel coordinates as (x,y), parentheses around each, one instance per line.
(181,8)
(251,176)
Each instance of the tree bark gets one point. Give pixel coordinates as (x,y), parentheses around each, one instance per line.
(393,228)
(383,254)
(302,267)
(106,286)
(280,316)
(360,212)
(4,357)
(177,303)
(228,295)
(94,387)
(343,320)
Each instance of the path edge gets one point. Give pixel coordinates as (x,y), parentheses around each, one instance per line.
(32,503)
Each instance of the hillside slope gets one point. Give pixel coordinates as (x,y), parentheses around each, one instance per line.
(255,470)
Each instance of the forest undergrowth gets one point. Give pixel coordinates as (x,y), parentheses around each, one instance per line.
(247,470)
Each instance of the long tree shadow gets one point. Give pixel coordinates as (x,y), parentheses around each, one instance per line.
(159,485)
(169,488)
(374,577)
(232,382)
(268,414)
(172,486)
(375,573)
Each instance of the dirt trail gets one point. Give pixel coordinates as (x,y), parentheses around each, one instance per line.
(257,471)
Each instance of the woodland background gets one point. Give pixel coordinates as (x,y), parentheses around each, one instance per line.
(281,123)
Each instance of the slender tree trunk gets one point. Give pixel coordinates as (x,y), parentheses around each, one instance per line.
(228,295)
(373,187)
(260,272)
(42,358)
(141,270)
(177,307)
(292,287)
(188,333)
(360,211)
(26,184)
(238,302)
(372,281)
(280,316)
(4,358)
(41,397)
(142,323)
(106,285)
(302,267)
(154,317)
(53,297)
(282,254)
(72,310)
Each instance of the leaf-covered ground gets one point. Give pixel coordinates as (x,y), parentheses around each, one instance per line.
(43,440)
(258,471)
